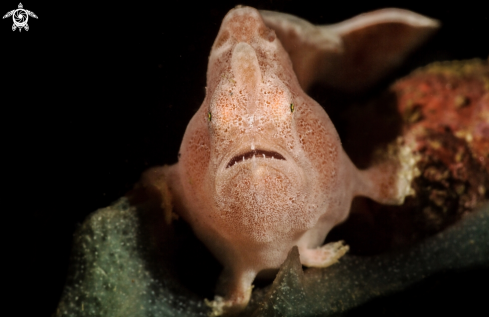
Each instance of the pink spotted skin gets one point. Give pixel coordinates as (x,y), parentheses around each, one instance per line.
(261,166)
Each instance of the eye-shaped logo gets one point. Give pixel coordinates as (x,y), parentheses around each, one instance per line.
(20,17)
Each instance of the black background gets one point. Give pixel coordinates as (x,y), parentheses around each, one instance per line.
(93,94)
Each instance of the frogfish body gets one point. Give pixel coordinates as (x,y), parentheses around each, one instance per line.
(261,166)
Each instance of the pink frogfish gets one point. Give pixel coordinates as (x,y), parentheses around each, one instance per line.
(261,167)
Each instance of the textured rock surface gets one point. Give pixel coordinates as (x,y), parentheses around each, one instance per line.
(355,280)
(442,112)
(119,270)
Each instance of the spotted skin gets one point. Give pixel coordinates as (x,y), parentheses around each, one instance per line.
(261,167)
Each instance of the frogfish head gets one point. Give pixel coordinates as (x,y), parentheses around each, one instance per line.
(259,156)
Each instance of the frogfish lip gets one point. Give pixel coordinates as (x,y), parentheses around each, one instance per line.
(257,153)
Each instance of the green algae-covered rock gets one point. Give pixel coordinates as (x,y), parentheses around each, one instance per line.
(355,280)
(122,266)
(117,270)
